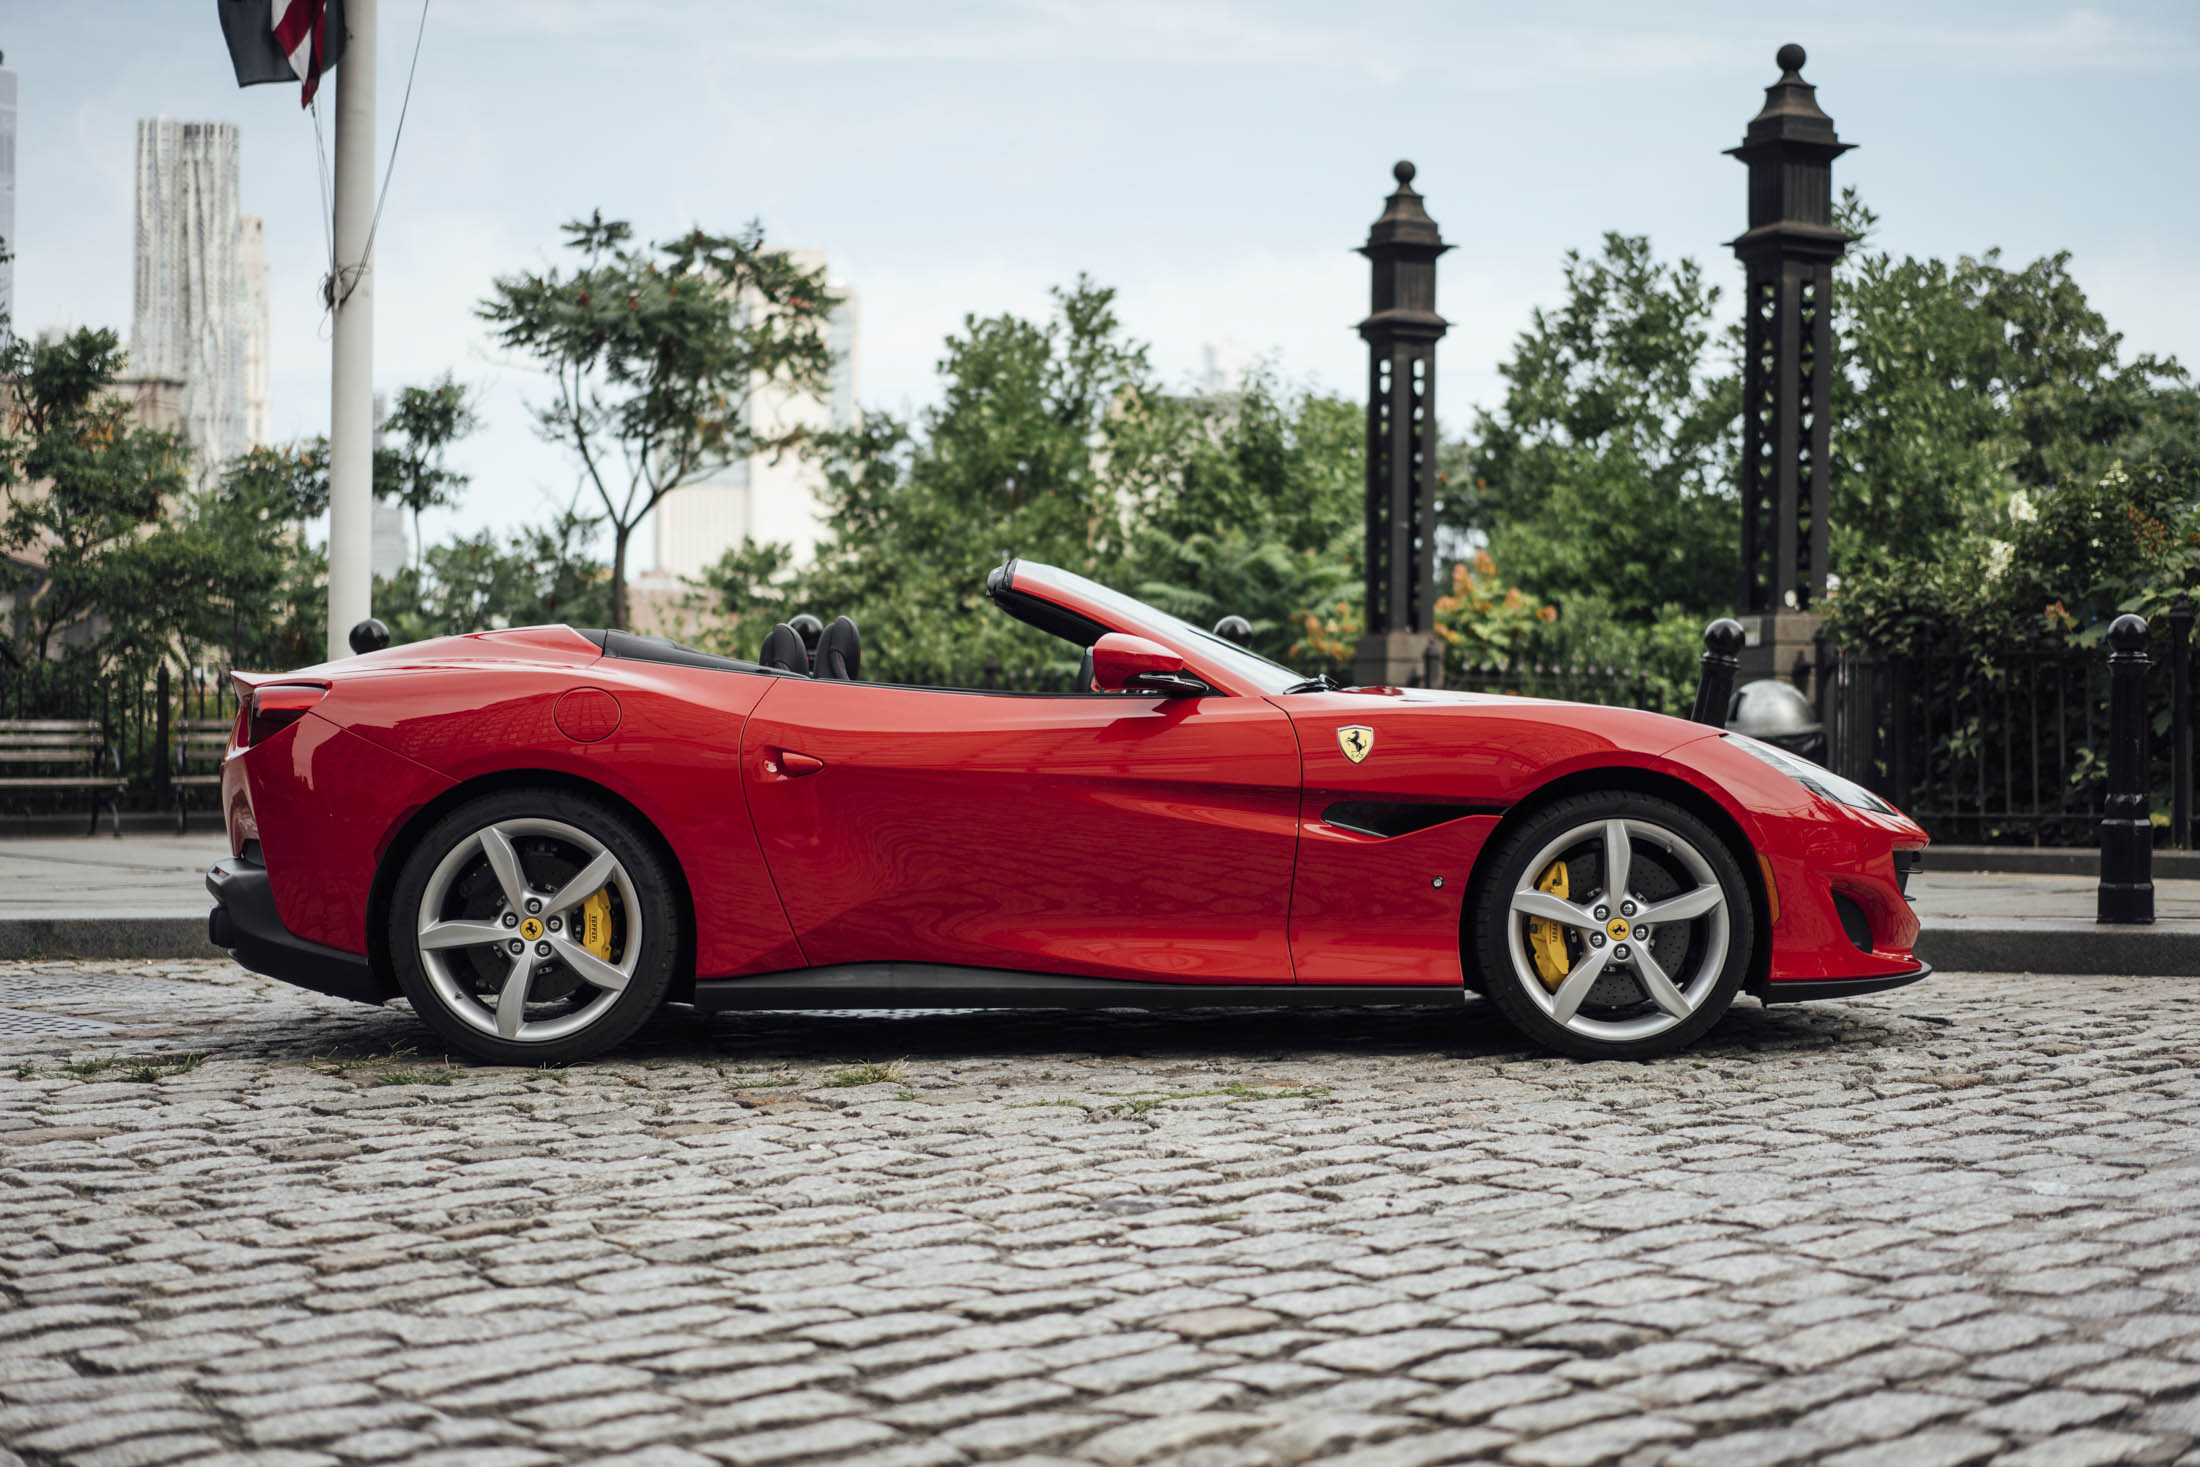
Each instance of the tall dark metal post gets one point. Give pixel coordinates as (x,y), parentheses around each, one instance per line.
(2180,722)
(2127,835)
(1787,257)
(1401,330)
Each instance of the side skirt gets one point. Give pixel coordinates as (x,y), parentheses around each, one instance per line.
(939,986)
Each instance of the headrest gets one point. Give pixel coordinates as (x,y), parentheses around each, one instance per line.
(783,649)
(840,652)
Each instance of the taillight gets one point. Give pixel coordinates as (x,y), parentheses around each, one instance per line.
(276,706)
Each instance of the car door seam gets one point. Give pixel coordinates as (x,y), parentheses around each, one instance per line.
(742,749)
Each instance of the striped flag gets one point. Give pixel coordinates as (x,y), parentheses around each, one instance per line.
(284,41)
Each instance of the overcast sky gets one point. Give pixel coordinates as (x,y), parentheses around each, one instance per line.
(1217,162)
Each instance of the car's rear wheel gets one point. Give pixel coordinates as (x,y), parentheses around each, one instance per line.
(1613,926)
(532,926)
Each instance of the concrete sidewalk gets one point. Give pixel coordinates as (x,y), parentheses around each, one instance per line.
(145,896)
(140,896)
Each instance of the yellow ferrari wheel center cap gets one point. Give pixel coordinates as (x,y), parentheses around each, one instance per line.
(532,929)
(1617,928)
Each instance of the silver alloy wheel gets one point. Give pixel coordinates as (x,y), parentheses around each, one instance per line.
(1676,996)
(497,846)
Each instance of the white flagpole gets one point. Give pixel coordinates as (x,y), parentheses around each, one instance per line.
(351,380)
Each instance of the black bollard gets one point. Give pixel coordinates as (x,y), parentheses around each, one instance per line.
(1722,659)
(2127,836)
(1235,629)
(1432,664)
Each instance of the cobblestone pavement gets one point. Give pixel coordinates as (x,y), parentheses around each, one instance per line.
(1948,1225)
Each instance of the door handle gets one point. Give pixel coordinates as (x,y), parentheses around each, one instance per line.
(787,764)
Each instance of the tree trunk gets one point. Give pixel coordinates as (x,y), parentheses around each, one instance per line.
(619,617)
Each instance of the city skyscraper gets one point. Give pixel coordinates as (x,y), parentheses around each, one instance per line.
(200,299)
(7,188)
(252,307)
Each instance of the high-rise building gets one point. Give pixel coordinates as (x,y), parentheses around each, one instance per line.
(7,190)
(252,310)
(193,316)
(755,497)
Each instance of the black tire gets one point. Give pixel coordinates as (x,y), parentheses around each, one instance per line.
(1714,948)
(554,834)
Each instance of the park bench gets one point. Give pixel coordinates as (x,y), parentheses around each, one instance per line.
(200,744)
(62,754)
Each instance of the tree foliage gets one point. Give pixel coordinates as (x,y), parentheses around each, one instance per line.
(84,484)
(656,354)
(1607,471)
(535,575)
(1963,383)
(1054,441)
(410,467)
(1604,481)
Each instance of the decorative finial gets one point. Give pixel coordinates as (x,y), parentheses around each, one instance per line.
(1403,172)
(1790,59)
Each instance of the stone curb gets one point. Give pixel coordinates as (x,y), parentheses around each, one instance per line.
(67,935)
(1950,944)
(2061,945)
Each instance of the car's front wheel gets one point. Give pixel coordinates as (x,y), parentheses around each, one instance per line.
(533,926)
(1613,926)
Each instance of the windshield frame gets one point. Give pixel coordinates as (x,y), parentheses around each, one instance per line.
(1225,666)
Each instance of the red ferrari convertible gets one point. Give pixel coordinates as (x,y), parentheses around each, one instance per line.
(539,836)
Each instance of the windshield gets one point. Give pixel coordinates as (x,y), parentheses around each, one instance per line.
(1269,677)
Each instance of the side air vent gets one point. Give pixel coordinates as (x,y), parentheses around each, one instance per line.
(1853,921)
(1388,818)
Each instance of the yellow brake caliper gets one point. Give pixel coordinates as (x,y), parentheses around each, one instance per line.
(596,923)
(1546,939)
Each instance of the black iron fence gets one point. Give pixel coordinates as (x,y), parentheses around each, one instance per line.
(2002,747)
(139,709)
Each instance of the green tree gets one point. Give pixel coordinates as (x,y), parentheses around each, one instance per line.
(656,354)
(1250,503)
(1053,441)
(1014,459)
(745,593)
(84,486)
(537,575)
(1607,471)
(418,433)
(1961,384)
(260,591)
(1605,480)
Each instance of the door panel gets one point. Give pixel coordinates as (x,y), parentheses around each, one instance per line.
(1127,837)
(1380,900)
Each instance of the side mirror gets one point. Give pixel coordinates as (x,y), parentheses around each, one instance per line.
(1122,663)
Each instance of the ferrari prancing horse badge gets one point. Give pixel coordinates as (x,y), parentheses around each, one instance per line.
(1357,740)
